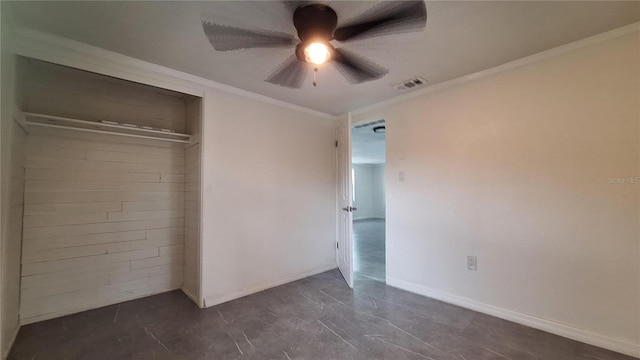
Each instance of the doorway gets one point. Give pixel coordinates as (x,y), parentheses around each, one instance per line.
(368,157)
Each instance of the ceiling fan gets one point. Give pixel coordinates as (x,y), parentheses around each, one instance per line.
(316,25)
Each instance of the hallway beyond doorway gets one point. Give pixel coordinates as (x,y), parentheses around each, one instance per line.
(369,248)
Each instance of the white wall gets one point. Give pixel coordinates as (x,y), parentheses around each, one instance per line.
(269,195)
(12,208)
(192,203)
(11,203)
(363,192)
(378,190)
(515,168)
(369,180)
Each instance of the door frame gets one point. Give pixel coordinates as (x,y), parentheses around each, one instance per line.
(369,119)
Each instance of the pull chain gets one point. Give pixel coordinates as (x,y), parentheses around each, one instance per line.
(315,71)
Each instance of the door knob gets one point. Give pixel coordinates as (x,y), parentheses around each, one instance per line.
(349,208)
(345,209)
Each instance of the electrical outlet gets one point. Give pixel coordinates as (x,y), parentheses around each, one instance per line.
(400,175)
(472,263)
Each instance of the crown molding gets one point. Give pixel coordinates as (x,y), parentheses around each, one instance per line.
(553,52)
(63,51)
(59,50)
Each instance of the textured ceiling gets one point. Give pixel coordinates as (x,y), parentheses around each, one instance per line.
(368,147)
(460,38)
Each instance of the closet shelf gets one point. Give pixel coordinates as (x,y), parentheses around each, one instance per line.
(29,119)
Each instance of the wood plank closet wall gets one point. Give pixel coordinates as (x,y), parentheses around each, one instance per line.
(104,216)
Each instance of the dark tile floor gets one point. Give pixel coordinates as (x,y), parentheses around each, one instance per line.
(314,318)
(368,246)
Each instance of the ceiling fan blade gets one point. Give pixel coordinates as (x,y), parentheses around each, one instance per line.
(390,17)
(356,68)
(224,38)
(290,74)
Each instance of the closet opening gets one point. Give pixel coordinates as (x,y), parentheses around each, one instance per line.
(111,196)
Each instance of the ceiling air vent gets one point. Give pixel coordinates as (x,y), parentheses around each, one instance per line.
(409,84)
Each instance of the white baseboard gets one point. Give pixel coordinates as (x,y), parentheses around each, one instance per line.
(91,306)
(193,298)
(7,349)
(570,332)
(217,299)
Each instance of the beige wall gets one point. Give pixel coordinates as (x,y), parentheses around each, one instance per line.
(515,168)
(269,195)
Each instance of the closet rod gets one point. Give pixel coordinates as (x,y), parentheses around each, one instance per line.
(95,128)
(101,124)
(30,123)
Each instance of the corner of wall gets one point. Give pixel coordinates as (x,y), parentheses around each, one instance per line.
(552,327)
(217,299)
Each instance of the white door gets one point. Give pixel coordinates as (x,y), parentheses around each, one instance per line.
(344,247)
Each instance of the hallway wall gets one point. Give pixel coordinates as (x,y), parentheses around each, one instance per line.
(377,190)
(369,190)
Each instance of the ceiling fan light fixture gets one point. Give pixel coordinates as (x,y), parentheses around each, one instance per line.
(317,53)
(317,26)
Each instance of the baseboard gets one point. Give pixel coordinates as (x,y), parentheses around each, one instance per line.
(193,298)
(217,299)
(91,306)
(7,350)
(553,327)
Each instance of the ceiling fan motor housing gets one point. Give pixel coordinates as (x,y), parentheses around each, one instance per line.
(314,23)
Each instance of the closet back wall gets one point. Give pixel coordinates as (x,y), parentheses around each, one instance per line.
(104,216)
